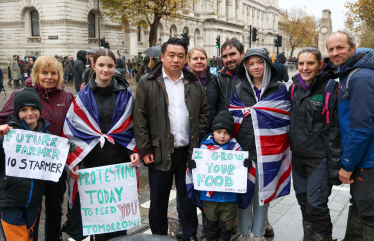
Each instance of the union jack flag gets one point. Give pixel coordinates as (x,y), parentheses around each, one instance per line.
(82,126)
(271,121)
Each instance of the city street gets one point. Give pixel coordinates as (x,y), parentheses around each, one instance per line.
(284,213)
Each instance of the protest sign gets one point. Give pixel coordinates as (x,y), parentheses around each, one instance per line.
(220,170)
(109,198)
(35,155)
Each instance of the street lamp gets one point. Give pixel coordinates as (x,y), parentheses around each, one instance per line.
(160,40)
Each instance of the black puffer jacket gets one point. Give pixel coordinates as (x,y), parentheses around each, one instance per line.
(308,134)
(16,191)
(105,98)
(246,95)
(212,94)
(225,83)
(79,68)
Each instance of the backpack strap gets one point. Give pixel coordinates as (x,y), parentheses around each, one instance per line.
(328,95)
(347,83)
(292,90)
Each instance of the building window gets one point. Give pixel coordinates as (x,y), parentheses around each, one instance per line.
(91,25)
(139,39)
(35,23)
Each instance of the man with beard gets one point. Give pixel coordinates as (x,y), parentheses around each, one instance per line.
(232,54)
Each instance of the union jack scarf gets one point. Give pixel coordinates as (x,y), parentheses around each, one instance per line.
(244,199)
(271,121)
(82,126)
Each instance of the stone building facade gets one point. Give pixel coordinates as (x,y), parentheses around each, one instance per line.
(40,27)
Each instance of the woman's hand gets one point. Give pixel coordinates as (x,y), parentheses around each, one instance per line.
(73,174)
(82,86)
(135,159)
(4,129)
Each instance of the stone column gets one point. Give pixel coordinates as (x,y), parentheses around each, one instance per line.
(228,9)
(219,8)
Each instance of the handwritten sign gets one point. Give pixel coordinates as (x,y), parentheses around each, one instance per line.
(35,155)
(220,170)
(109,198)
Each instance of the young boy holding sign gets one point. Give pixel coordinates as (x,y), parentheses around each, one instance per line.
(20,198)
(220,207)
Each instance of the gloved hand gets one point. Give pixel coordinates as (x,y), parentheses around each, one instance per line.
(248,163)
(72,147)
(191,163)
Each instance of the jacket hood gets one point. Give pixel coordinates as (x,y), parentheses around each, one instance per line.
(330,71)
(120,63)
(359,60)
(270,72)
(119,82)
(82,56)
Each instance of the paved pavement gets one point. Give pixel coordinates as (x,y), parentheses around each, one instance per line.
(284,213)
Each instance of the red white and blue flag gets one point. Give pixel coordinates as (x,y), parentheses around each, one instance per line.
(82,126)
(271,121)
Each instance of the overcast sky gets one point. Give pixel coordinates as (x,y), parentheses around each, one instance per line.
(316,7)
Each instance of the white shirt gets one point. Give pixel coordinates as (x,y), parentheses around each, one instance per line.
(179,116)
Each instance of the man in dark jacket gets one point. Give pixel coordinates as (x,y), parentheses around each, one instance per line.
(232,54)
(120,63)
(282,69)
(143,68)
(213,62)
(356,117)
(171,116)
(79,68)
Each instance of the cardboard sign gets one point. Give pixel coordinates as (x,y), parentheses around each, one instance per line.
(220,170)
(35,155)
(109,198)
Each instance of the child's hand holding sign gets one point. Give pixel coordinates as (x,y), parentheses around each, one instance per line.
(4,129)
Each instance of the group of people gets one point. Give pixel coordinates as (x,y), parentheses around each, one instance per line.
(19,69)
(179,107)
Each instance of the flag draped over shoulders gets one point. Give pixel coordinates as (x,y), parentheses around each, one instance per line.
(82,126)
(271,121)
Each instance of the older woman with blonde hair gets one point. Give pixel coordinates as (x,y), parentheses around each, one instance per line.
(47,76)
(198,65)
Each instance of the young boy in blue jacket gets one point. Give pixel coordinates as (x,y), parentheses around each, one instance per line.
(20,198)
(220,207)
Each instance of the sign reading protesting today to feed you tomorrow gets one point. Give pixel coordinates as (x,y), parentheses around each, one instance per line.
(220,170)
(109,198)
(35,155)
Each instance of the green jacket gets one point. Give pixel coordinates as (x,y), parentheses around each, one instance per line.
(138,61)
(151,121)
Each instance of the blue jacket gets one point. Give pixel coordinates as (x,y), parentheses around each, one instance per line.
(219,197)
(356,112)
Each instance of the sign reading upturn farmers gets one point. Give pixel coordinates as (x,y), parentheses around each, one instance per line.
(220,170)
(35,155)
(109,198)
